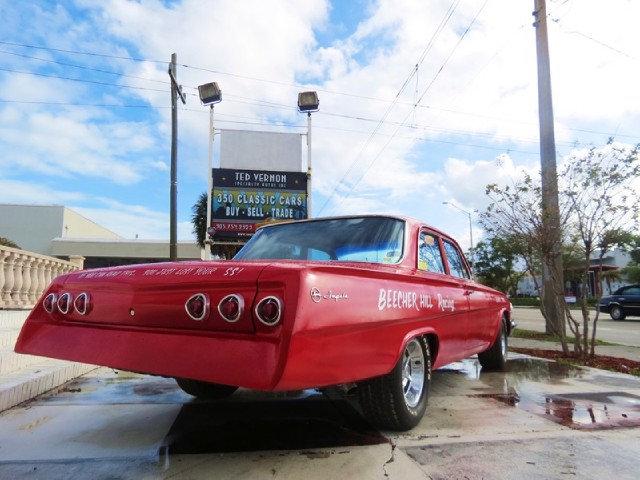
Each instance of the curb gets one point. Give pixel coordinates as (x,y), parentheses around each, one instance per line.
(24,377)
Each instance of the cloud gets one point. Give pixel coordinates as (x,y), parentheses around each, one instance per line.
(22,192)
(472,75)
(133,221)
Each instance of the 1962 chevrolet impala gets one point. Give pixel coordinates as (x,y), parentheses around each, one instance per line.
(376,301)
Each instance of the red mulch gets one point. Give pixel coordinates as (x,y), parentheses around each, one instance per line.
(604,362)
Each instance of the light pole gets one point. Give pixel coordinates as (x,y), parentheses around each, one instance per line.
(210,94)
(470,228)
(308,102)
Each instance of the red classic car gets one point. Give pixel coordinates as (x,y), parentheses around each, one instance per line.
(376,301)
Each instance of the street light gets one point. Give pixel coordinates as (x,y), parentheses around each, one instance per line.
(308,102)
(210,94)
(470,228)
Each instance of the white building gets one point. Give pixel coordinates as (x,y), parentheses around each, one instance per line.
(60,232)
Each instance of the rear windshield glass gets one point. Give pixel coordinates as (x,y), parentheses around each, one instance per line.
(367,239)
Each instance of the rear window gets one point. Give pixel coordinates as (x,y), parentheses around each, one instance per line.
(359,239)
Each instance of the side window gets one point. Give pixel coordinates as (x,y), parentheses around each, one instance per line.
(429,256)
(456,264)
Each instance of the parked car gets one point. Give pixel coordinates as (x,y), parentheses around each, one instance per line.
(624,302)
(372,301)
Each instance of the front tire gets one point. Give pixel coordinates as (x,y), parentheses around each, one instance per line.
(616,312)
(398,400)
(205,390)
(495,359)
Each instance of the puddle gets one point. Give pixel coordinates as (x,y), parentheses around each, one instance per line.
(593,410)
(543,371)
(469,368)
(523,386)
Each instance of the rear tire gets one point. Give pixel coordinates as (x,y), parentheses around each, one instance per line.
(616,312)
(398,400)
(205,390)
(495,359)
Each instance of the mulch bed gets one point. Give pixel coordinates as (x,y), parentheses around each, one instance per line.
(604,362)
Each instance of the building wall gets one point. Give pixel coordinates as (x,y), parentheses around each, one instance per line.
(61,232)
(33,227)
(75,225)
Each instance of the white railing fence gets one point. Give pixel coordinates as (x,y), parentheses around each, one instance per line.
(25,275)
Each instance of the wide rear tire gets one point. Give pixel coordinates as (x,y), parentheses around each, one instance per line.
(398,400)
(205,390)
(495,359)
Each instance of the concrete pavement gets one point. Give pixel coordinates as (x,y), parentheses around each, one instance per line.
(539,419)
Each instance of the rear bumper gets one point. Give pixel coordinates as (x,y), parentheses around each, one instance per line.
(230,359)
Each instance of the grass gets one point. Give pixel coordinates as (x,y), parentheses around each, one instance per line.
(535,335)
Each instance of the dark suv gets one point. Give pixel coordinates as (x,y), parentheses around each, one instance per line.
(624,302)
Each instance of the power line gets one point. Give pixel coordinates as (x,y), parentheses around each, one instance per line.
(384,147)
(82,80)
(434,36)
(83,67)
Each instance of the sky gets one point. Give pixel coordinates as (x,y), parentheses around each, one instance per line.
(421,101)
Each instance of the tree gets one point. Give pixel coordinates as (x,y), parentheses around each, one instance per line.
(495,265)
(598,208)
(516,213)
(603,207)
(8,243)
(199,221)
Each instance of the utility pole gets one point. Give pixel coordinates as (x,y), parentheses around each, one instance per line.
(553,282)
(173,209)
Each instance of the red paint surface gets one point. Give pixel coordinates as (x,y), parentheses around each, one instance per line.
(341,322)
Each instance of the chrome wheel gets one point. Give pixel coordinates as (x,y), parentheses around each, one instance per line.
(413,373)
(398,400)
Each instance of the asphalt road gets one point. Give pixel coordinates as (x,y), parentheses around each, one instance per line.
(626,332)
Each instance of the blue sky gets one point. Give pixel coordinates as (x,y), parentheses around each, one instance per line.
(420,101)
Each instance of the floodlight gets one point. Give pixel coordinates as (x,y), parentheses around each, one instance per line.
(210,93)
(308,102)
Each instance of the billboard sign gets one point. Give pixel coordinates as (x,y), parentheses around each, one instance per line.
(244,199)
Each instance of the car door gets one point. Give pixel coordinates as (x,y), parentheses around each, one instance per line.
(479,327)
(630,300)
(448,294)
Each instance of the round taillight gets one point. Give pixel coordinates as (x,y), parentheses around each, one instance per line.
(64,303)
(198,306)
(49,303)
(230,308)
(269,310)
(82,303)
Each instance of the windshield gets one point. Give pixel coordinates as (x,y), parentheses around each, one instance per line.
(366,239)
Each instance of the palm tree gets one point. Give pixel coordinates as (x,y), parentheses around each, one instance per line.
(610,275)
(8,243)
(199,221)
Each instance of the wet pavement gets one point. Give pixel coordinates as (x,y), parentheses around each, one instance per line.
(540,419)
